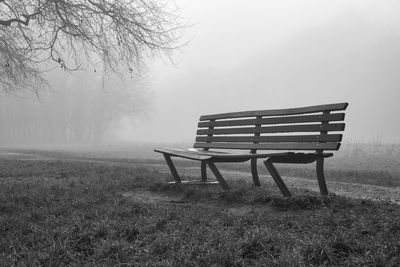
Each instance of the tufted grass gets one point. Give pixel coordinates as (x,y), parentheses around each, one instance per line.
(60,212)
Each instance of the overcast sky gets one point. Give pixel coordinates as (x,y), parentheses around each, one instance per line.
(246,55)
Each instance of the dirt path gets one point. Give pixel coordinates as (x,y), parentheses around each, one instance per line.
(235,209)
(340,188)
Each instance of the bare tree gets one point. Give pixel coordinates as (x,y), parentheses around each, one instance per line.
(75,33)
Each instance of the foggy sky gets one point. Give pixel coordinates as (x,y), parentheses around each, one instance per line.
(246,55)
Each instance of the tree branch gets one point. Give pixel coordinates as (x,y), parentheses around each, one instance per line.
(72,33)
(19,21)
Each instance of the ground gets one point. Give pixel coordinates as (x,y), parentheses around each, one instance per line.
(59,208)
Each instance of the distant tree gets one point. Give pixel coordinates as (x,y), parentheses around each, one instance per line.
(103,104)
(75,33)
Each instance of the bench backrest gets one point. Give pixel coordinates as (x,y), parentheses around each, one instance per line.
(306,128)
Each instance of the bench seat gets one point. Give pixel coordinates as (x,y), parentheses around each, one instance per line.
(195,154)
(220,156)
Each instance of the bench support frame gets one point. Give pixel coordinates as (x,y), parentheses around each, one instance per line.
(277,178)
(293,158)
(172,168)
(203,171)
(298,158)
(254,172)
(217,175)
(204,164)
(321,177)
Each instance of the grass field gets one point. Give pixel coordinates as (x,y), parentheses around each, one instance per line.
(365,163)
(70,212)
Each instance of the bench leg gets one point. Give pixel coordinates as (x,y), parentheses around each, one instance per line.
(254,172)
(218,175)
(203,171)
(172,168)
(277,178)
(320,176)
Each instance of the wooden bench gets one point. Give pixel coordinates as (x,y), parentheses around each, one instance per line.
(281,132)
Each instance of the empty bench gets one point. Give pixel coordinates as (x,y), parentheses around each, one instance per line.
(294,135)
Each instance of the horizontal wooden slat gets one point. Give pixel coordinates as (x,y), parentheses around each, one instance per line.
(188,154)
(271,146)
(276,112)
(275,120)
(287,138)
(275,129)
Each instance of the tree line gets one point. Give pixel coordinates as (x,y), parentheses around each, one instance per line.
(80,109)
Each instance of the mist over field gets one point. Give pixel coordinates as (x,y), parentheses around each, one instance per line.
(239,56)
(267,55)
(81,183)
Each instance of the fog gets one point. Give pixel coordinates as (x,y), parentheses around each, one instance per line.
(245,55)
(277,54)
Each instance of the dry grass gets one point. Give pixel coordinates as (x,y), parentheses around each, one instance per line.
(365,163)
(78,213)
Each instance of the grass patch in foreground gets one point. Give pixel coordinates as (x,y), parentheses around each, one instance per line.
(55,212)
